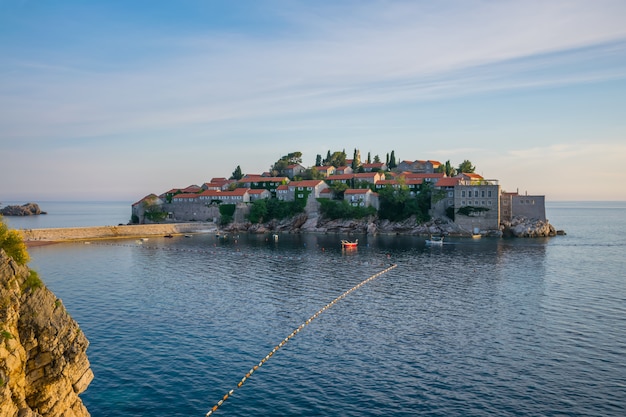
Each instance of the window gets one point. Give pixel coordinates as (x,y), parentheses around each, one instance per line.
(489,193)
(463,194)
(475,193)
(300,195)
(300,188)
(482,193)
(450,193)
(489,202)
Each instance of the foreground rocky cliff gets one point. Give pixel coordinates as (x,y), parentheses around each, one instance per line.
(43,364)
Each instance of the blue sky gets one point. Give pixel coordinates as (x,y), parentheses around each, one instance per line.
(113,100)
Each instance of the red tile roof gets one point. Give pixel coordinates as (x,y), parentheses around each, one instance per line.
(305,183)
(357,191)
(447,182)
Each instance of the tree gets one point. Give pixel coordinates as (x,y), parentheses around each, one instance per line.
(447,169)
(338,189)
(237,174)
(284,161)
(327,160)
(337,159)
(356,160)
(369,160)
(466,166)
(392,161)
(376,159)
(318,160)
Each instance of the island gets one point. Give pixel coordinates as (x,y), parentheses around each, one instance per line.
(418,197)
(28,209)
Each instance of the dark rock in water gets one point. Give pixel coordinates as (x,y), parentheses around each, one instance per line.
(28,209)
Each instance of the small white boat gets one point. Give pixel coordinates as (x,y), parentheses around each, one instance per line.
(435,240)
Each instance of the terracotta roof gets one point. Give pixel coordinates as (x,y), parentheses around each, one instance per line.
(422,175)
(357,191)
(447,182)
(264,179)
(341,177)
(187,195)
(305,183)
(366,175)
(472,175)
(258,191)
(235,192)
(282,187)
(148,197)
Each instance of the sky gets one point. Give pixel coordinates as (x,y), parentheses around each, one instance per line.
(114,100)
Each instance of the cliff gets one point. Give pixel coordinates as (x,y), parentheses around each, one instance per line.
(43,364)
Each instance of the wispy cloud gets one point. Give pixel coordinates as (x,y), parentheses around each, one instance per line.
(336,57)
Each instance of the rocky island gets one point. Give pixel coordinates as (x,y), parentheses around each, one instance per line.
(28,209)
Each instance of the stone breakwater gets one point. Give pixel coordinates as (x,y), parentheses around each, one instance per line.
(43,360)
(31,236)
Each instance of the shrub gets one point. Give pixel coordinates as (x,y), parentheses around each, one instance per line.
(13,244)
(32,281)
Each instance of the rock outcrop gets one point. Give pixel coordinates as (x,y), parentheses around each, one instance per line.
(370,226)
(43,364)
(523,227)
(28,209)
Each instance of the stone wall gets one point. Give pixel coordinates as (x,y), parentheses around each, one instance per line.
(109,232)
(43,364)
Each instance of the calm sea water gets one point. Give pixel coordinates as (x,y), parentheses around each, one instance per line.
(71,214)
(506,327)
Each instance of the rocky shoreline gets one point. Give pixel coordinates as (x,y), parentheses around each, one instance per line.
(518,227)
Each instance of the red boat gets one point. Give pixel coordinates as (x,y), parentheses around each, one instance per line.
(347,244)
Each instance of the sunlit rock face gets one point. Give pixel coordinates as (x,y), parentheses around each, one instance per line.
(43,364)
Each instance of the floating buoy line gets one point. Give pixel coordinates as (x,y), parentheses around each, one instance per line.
(293,334)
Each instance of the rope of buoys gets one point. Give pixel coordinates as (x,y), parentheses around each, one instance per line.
(292,334)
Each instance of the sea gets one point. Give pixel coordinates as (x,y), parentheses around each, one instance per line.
(249,325)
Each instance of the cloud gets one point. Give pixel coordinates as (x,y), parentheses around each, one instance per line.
(379,53)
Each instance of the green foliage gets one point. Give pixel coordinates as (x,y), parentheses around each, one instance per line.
(284,161)
(237,174)
(398,204)
(318,160)
(13,244)
(227,209)
(266,210)
(450,213)
(6,335)
(153,211)
(471,210)
(338,189)
(226,219)
(258,211)
(32,281)
(466,166)
(343,210)
(392,160)
(337,159)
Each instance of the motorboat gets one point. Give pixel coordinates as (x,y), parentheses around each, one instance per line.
(346,244)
